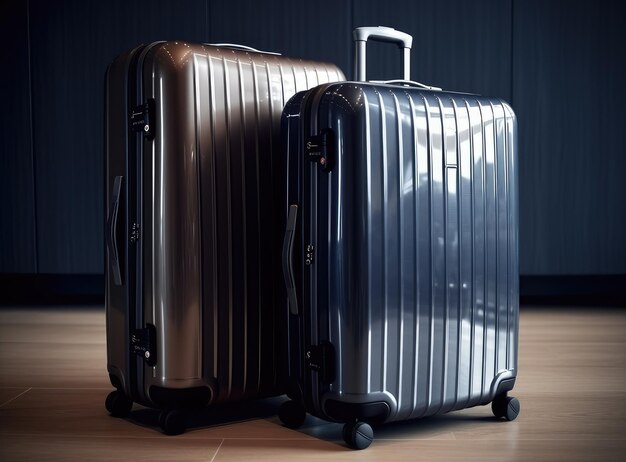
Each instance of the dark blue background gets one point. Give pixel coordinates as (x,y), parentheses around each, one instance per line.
(561,64)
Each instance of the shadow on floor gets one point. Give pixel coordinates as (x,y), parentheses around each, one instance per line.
(218,415)
(267,409)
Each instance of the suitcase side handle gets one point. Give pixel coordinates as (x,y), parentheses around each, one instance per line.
(111,232)
(380,34)
(242,48)
(290,285)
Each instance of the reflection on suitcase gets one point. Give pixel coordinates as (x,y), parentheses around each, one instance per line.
(400,254)
(191,309)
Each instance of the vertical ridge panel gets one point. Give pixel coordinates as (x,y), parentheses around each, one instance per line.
(513,268)
(438,255)
(413,281)
(502,225)
(423,186)
(244,128)
(491,245)
(384,216)
(229,225)
(481,246)
(392,239)
(451,254)
(369,218)
(204,134)
(475,333)
(376,243)
(407,250)
(464,362)
(257,191)
(215,212)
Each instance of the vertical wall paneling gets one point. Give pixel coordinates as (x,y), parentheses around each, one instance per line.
(569,74)
(72,43)
(560,63)
(17,210)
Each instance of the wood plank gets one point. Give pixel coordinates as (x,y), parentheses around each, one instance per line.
(570,384)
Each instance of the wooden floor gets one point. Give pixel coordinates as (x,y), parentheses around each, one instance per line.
(571,385)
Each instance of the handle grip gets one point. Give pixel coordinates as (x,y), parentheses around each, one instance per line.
(111,233)
(408,83)
(381,34)
(241,47)
(288,259)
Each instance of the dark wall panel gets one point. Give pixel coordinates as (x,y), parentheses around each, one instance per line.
(457,44)
(315,30)
(72,43)
(560,63)
(569,94)
(17,212)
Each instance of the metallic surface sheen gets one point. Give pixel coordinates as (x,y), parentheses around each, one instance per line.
(207,227)
(415,229)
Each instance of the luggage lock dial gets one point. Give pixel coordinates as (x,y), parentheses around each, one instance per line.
(321,358)
(308,256)
(143,343)
(134,234)
(319,149)
(142,119)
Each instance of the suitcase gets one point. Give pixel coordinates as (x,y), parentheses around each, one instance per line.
(400,255)
(191,231)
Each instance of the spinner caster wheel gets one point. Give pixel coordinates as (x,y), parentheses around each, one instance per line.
(118,404)
(505,406)
(358,435)
(172,421)
(291,414)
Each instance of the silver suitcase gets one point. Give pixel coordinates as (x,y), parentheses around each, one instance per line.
(400,254)
(192,133)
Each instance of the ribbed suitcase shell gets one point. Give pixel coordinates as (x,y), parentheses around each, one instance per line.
(414,279)
(200,195)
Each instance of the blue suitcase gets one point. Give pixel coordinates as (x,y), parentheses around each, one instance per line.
(400,255)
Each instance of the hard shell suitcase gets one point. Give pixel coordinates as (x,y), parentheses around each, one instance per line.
(191,306)
(400,255)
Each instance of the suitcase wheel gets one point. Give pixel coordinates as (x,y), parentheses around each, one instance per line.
(172,421)
(291,414)
(505,406)
(118,404)
(358,435)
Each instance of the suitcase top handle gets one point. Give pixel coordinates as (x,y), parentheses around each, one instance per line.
(241,47)
(381,34)
(407,83)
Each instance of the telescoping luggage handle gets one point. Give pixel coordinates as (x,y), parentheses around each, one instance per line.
(384,34)
(380,34)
